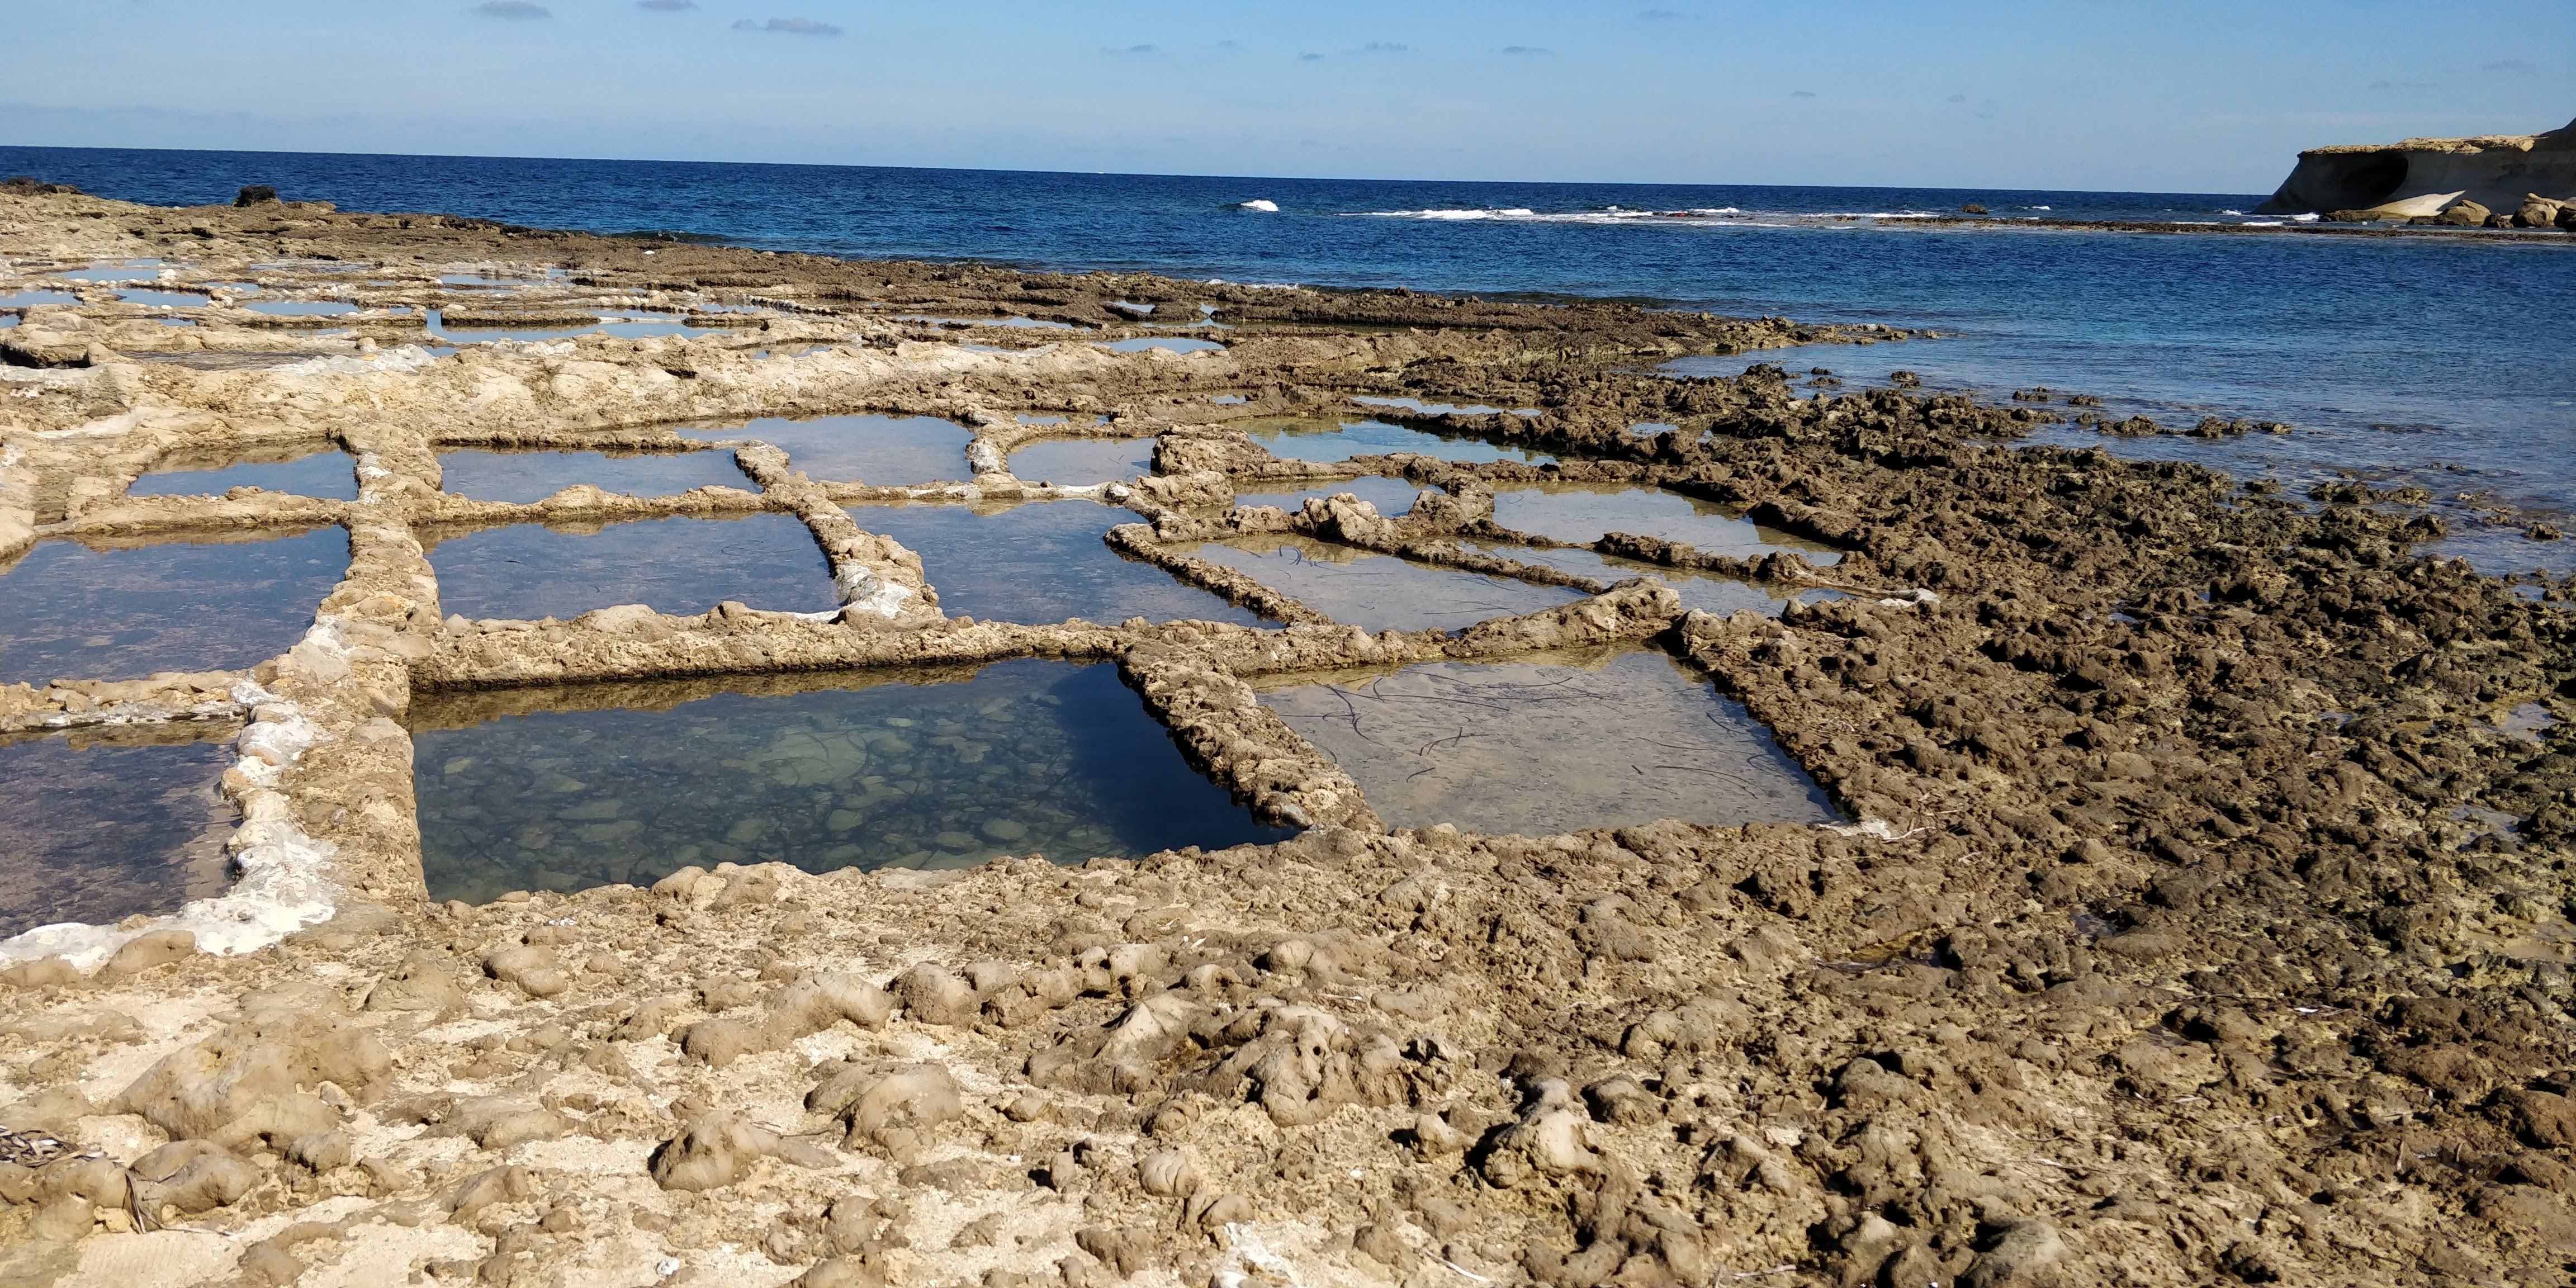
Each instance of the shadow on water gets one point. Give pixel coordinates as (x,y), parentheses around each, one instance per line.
(130,609)
(565,788)
(678,565)
(1547,744)
(100,826)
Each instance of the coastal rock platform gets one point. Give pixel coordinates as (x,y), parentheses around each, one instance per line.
(2196,910)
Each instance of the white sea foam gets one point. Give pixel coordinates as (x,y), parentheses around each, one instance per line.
(1263,205)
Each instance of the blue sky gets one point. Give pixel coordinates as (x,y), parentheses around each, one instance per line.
(2074,94)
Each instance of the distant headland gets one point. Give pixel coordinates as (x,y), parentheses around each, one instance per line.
(2499,180)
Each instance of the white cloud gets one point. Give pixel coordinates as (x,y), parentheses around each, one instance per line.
(791,26)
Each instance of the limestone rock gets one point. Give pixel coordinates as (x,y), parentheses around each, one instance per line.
(249,1079)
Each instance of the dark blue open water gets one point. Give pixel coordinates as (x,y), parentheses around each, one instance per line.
(2433,360)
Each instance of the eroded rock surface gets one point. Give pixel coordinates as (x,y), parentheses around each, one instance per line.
(2201,914)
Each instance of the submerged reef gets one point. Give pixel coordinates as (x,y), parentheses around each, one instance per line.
(2103,874)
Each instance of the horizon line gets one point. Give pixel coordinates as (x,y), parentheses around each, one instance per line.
(1112,174)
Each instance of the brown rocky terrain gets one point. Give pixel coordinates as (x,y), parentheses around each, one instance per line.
(2202,916)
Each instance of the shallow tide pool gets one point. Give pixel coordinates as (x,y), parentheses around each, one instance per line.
(679,566)
(937,769)
(884,451)
(122,612)
(96,829)
(1040,562)
(1547,745)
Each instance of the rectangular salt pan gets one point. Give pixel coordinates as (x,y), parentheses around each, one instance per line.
(1041,562)
(302,469)
(1327,441)
(99,829)
(915,770)
(522,478)
(883,451)
(1547,745)
(1722,596)
(1583,512)
(1380,592)
(1082,461)
(126,611)
(1392,497)
(678,566)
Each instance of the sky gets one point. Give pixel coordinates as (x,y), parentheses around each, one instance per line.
(2173,95)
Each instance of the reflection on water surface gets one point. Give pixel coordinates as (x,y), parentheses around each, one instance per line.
(936,769)
(101,828)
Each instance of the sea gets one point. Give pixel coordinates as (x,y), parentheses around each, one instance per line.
(2443,362)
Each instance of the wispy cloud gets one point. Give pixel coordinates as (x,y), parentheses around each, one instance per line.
(1802,93)
(1310,58)
(2509,66)
(1520,50)
(512,9)
(1956,98)
(791,26)
(666,6)
(1131,49)
(2389,86)
(1385,47)
(1664,15)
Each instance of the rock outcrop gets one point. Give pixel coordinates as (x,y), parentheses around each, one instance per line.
(2498,171)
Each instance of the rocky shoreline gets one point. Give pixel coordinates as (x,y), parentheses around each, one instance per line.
(2179,933)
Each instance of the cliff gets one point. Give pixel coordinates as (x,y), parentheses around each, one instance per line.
(2494,170)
